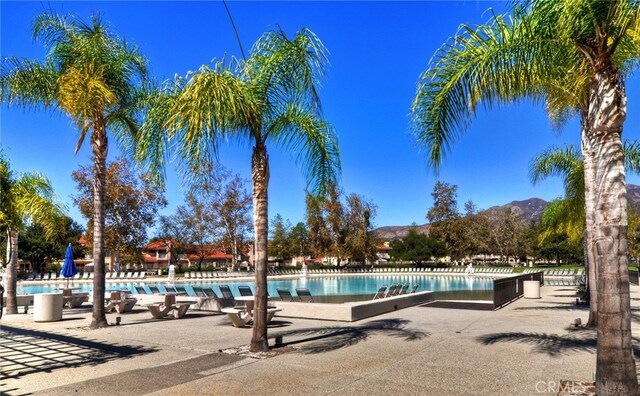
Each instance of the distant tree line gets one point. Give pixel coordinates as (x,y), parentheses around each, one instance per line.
(501,232)
(338,226)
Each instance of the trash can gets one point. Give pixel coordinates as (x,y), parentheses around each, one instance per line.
(47,307)
(531,289)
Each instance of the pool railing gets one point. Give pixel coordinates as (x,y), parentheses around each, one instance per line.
(508,289)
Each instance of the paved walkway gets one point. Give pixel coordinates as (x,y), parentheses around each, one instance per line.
(525,348)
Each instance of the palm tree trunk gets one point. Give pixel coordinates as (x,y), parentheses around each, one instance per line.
(260,180)
(615,365)
(99,147)
(12,272)
(589,210)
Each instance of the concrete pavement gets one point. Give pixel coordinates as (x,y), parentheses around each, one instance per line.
(525,348)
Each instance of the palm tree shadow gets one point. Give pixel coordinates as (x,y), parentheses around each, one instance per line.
(330,338)
(551,306)
(552,344)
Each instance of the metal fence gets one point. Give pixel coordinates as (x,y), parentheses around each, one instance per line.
(508,289)
(634,277)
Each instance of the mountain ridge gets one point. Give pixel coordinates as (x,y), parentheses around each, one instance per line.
(530,209)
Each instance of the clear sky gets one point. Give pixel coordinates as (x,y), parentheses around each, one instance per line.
(377,52)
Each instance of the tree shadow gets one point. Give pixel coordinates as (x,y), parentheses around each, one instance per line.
(279,323)
(330,338)
(26,351)
(552,344)
(555,306)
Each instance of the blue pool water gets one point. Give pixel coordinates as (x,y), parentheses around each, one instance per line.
(325,286)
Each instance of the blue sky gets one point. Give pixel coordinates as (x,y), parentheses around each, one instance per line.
(377,52)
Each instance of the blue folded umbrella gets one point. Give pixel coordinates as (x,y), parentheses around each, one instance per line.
(69,269)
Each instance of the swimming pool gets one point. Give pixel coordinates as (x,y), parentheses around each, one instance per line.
(365,285)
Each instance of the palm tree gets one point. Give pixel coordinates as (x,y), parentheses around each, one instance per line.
(93,77)
(573,55)
(272,97)
(24,198)
(564,216)
(567,216)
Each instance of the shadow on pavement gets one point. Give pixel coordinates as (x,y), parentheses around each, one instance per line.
(26,351)
(555,306)
(551,344)
(330,338)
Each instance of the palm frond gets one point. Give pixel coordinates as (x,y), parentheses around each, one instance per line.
(89,73)
(495,63)
(283,70)
(210,106)
(548,51)
(28,83)
(85,93)
(35,201)
(562,217)
(632,155)
(555,162)
(153,142)
(315,143)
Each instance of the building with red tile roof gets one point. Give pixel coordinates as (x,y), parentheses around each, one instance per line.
(158,255)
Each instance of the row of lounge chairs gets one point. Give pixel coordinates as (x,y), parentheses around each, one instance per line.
(395,289)
(126,275)
(239,312)
(212,274)
(197,291)
(459,270)
(557,273)
(496,270)
(53,276)
(304,295)
(476,270)
(44,276)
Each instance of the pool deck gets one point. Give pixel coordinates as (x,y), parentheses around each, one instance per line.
(525,348)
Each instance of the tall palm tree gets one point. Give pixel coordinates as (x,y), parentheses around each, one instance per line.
(272,97)
(24,198)
(572,54)
(93,77)
(567,216)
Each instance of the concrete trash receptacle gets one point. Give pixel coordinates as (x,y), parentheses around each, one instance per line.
(47,307)
(531,289)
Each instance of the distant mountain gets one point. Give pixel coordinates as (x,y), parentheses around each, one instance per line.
(390,233)
(530,209)
(633,196)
